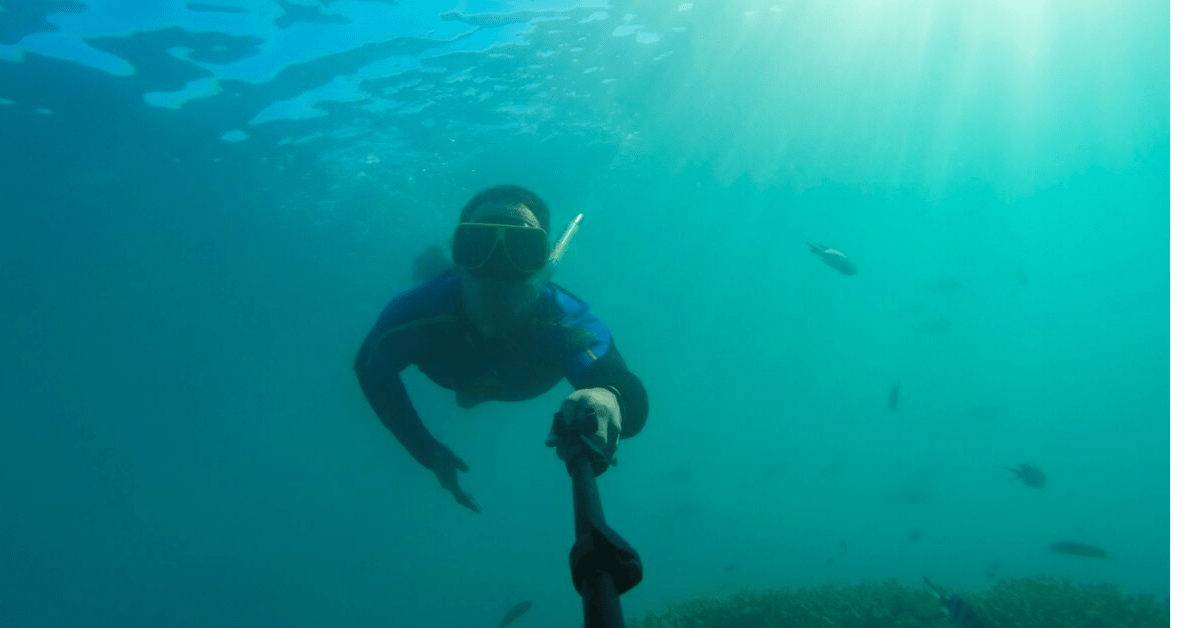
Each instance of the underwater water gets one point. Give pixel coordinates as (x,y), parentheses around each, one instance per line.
(207,206)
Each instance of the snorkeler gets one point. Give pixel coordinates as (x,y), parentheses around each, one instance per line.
(493,328)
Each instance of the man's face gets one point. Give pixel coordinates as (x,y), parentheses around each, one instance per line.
(498,307)
(503,243)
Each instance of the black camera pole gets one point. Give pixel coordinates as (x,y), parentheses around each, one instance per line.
(603,565)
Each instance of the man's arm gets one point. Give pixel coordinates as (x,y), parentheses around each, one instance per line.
(388,349)
(609,371)
(383,355)
(389,398)
(592,361)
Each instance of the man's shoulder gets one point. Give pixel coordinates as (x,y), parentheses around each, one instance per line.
(562,306)
(573,329)
(432,301)
(569,319)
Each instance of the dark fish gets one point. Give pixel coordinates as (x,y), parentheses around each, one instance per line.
(729,568)
(1078,549)
(429,264)
(959,612)
(834,258)
(520,609)
(1030,474)
(894,397)
(915,536)
(845,546)
(829,561)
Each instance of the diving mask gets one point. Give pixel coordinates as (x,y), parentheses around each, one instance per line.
(499,250)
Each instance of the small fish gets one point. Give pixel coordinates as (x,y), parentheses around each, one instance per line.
(829,561)
(1030,474)
(520,609)
(915,536)
(729,568)
(959,612)
(894,397)
(834,258)
(1078,549)
(845,546)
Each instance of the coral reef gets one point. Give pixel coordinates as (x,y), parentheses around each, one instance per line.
(1036,602)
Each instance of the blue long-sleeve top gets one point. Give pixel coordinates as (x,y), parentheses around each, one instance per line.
(427,326)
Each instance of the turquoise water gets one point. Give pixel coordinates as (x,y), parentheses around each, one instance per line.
(197,242)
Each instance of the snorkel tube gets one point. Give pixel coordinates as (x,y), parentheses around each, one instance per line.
(557,253)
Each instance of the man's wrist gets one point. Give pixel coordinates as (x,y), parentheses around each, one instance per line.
(620,403)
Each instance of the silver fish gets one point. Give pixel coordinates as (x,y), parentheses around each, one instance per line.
(834,258)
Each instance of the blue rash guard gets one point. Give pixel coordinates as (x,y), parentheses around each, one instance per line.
(427,326)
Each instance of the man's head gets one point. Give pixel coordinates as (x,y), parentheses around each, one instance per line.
(502,196)
(502,234)
(501,246)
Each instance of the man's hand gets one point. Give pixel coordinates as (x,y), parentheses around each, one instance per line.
(446,466)
(608,419)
